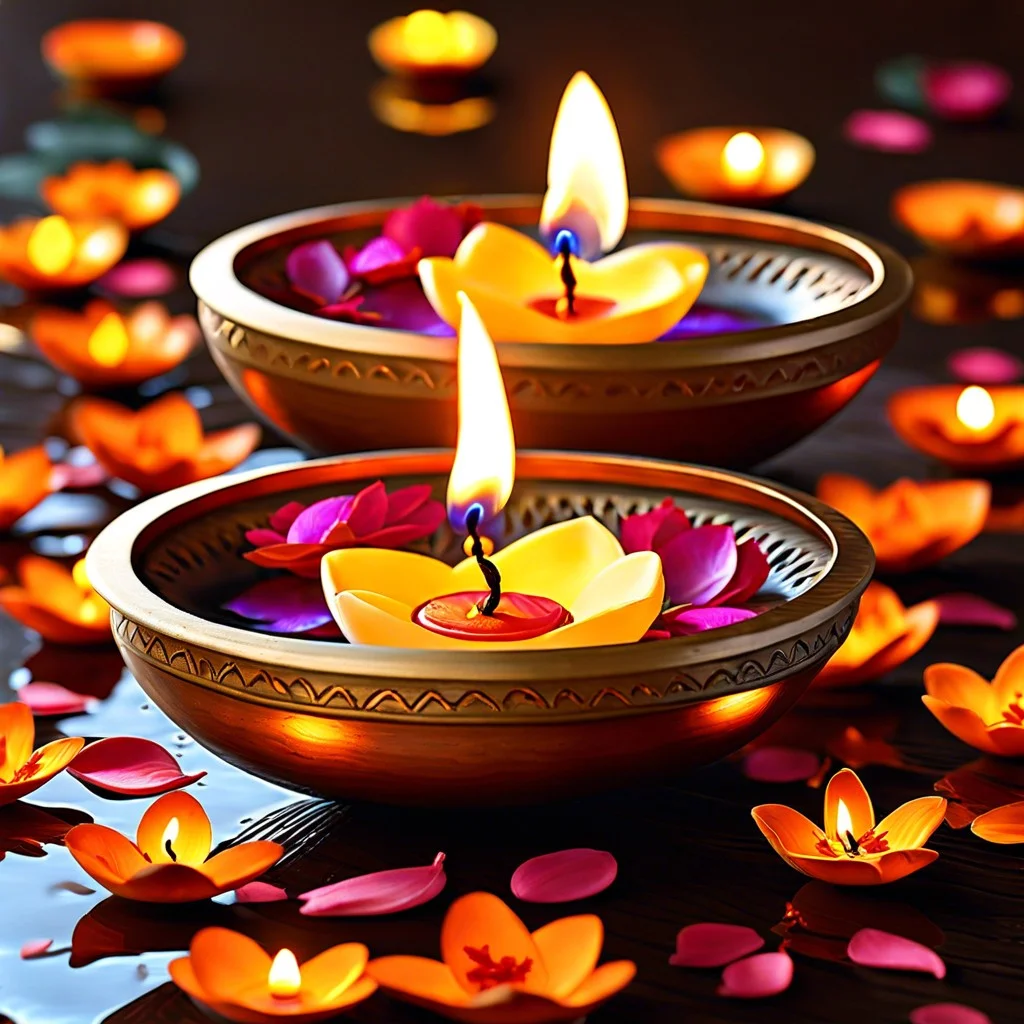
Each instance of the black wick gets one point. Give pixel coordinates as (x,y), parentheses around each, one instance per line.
(491,575)
(170,850)
(568,277)
(854,847)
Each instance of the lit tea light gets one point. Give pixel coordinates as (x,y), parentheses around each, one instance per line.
(428,42)
(170,837)
(284,979)
(108,343)
(975,428)
(954,292)
(24,482)
(55,253)
(735,165)
(393,103)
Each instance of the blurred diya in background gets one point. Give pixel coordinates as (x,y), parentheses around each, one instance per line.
(400,104)
(113,56)
(136,199)
(970,219)
(24,483)
(101,348)
(24,769)
(431,44)
(952,90)
(57,602)
(161,446)
(853,849)
(911,525)
(54,253)
(735,165)
(884,635)
(969,428)
(951,292)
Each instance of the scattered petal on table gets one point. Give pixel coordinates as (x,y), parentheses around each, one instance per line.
(873,948)
(948,1013)
(1003,825)
(780,764)
(966,90)
(139,279)
(130,766)
(714,945)
(260,892)
(383,892)
(983,365)
(766,974)
(35,948)
(970,610)
(890,131)
(53,699)
(564,876)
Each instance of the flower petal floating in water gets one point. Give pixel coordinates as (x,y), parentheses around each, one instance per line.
(871,947)
(970,610)
(436,229)
(966,90)
(983,365)
(564,876)
(381,260)
(757,977)
(130,766)
(289,604)
(260,892)
(53,699)
(1004,825)
(948,1013)
(890,131)
(714,945)
(35,948)
(780,764)
(318,270)
(383,892)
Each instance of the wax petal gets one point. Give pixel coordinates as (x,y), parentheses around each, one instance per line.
(873,948)
(966,91)
(130,766)
(890,131)
(260,892)
(698,620)
(35,948)
(983,365)
(714,945)
(570,948)
(317,268)
(383,892)
(698,564)
(766,974)
(564,876)
(53,699)
(948,1013)
(970,610)
(780,764)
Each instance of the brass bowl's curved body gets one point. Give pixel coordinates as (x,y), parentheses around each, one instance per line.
(449,727)
(831,300)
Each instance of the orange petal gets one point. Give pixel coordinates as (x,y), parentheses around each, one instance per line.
(167,883)
(789,832)
(851,496)
(17,735)
(52,758)
(429,981)
(962,723)
(172,425)
(898,864)
(51,624)
(191,845)
(226,963)
(49,582)
(570,948)
(328,977)
(237,865)
(910,826)
(839,870)
(1009,680)
(601,985)
(1002,825)
(481,919)
(963,688)
(225,449)
(104,854)
(846,786)
(24,482)
(1007,738)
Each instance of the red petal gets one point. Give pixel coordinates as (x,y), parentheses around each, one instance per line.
(948,1013)
(714,945)
(368,509)
(131,766)
(53,699)
(35,948)
(383,892)
(780,764)
(766,974)
(873,948)
(971,610)
(259,892)
(564,876)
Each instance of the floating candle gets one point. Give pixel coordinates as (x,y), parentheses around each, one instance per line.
(754,165)
(954,292)
(22,769)
(55,253)
(24,482)
(429,43)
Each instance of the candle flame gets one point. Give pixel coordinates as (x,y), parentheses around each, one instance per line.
(743,160)
(844,823)
(108,344)
(485,456)
(284,979)
(975,408)
(431,37)
(51,246)
(587,191)
(170,834)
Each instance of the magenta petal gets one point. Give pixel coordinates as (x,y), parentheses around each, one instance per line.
(130,766)
(262,538)
(314,523)
(435,228)
(890,131)
(283,518)
(53,699)
(967,90)
(948,1013)
(139,279)
(35,948)
(383,892)
(714,945)
(260,892)
(752,570)
(564,876)
(317,268)
(871,947)
(983,365)
(699,620)
(971,610)
(780,764)
(378,252)
(405,501)
(369,510)
(638,531)
(698,564)
(766,974)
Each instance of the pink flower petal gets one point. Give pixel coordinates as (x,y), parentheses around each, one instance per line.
(35,948)
(130,766)
(873,948)
(435,228)
(281,520)
(752,569)
(637,532)
(971,610)
(981,365)
(780,764)
(699,620)
(564,876)
(948,1013)
(889,131)
(966,90)
(698,564)
(73,477)
(714,945)
(383,892)
(766,974)
(53,699)
(317,269)
(260,892)
(139,279)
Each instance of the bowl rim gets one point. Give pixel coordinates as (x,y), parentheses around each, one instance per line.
(110,563)
(212,277)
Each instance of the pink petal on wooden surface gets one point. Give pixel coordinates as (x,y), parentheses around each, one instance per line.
(766,974)
(714,945)
(130,766)
(260,892)
(564,876)
(53,699)
(983,365)
(970,610)
(35,948)
(383,892)
(873,948)
(780,764)
(948,1013)
(888,131)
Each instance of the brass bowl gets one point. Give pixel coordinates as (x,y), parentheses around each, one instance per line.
(443,727)
(831,301)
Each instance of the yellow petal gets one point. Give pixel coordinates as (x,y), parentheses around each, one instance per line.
(910,826)
(234,867)
(401,575)
(225,963)
(788,831)
(963,723)
(570,948)
(328,977)
(368,618)
(191,844)
(17,735)
(846,786)
(840,870)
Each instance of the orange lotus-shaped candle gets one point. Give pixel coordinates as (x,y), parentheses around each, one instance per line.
(494,971)
(161,446)
(57,602)
(233,976)
(22,770)
(101,348)
(1003,825)
(433,43)
(168,862)
(136,199)
(884,635)
(987,716)
(54,253)
(911,525)
(852,849)
(24,482)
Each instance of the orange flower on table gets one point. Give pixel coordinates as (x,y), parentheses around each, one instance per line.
(137,199)
(911,525)
(233,976)
(161,446)
(987,716)
(1003,825)
(168,862)
(852,849)
(884,635)
(24,482)
(53,253)
(101,348)
(57,602)
(494,971)
(22,769)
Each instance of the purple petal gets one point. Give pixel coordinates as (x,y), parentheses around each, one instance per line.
(317,268)
(383,892)
(378,252)
(289,604)
(283,518)
(402,304)
(971,610)
(638,531)
(405,501)
(369,509)
(780,764)
(948,1013)
(698,563)
(435,228)
(966,91)
(889,131)
(985,366)
(766,974)
(752,570)
(313,524)
(871,947)
(564,876)
(714,945)
(699,620)
(262,538)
